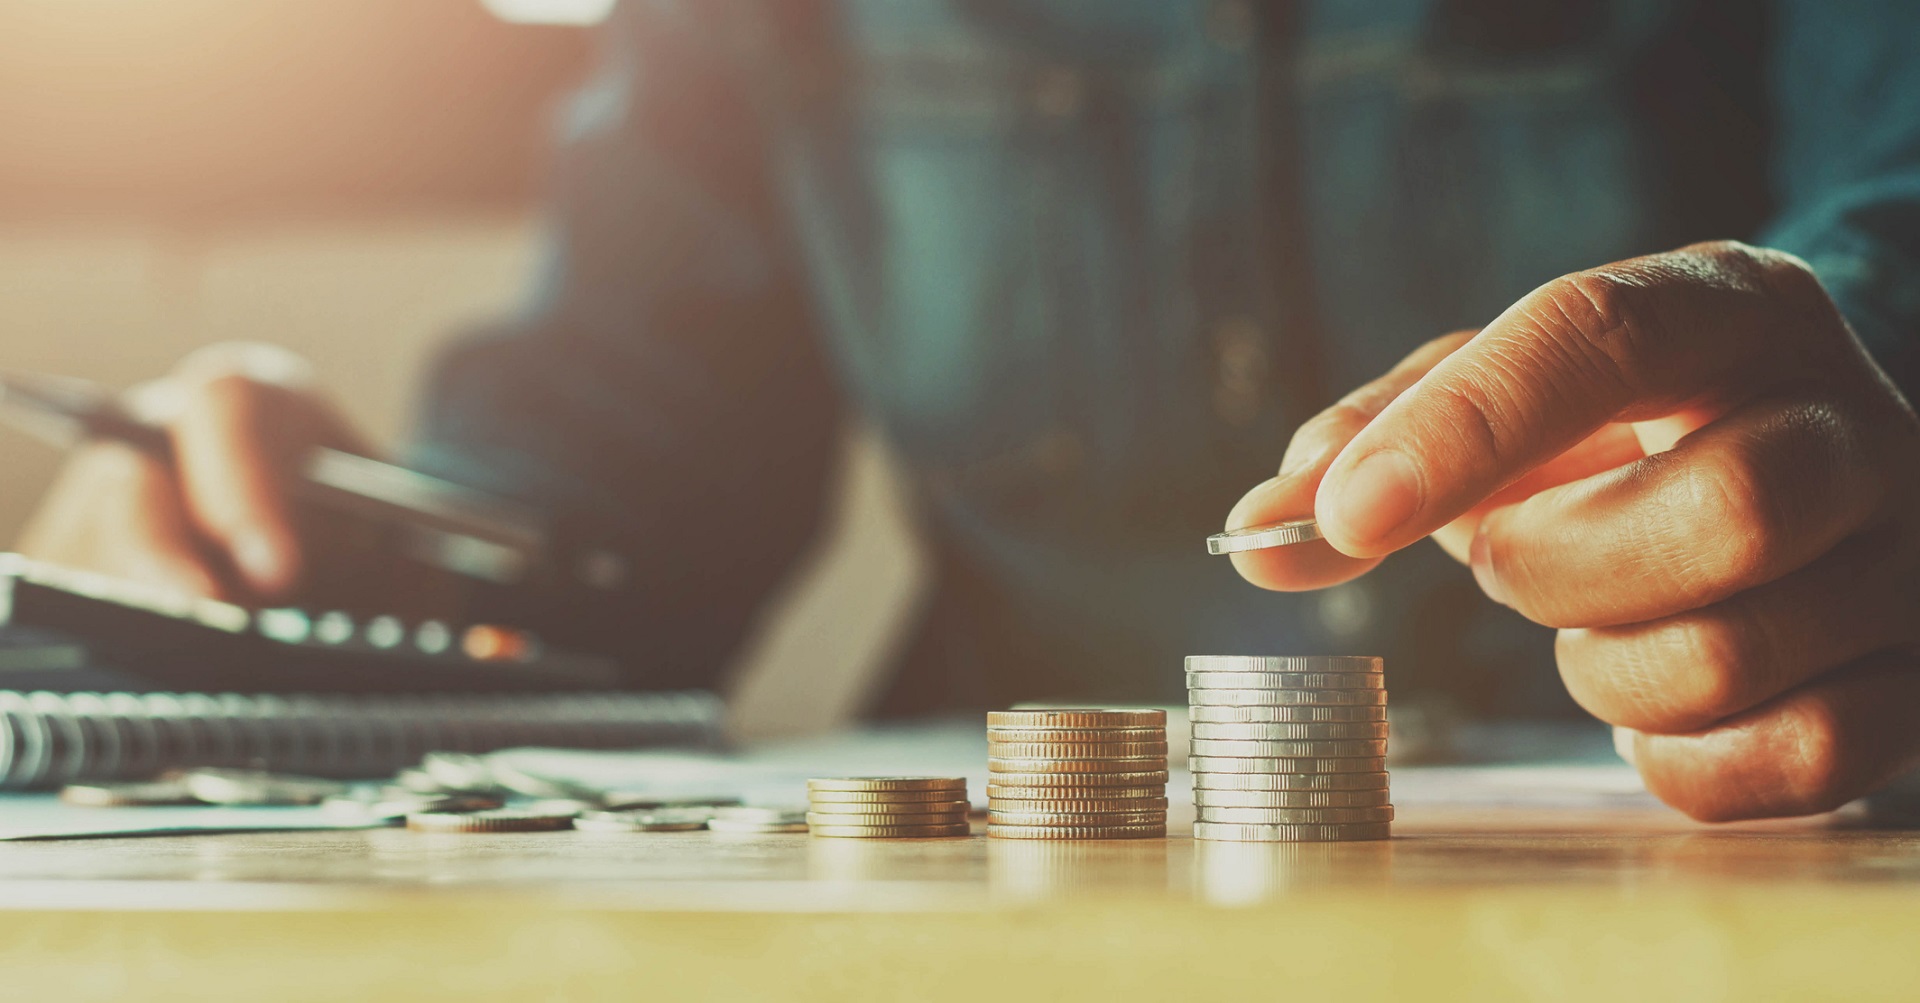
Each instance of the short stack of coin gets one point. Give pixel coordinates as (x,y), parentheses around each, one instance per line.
(1077,774)
(1289,749)
(888,807)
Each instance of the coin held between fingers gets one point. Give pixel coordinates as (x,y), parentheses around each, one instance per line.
(1274,534)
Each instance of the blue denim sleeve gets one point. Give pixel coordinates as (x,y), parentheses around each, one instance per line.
(1846,80)
(664,396)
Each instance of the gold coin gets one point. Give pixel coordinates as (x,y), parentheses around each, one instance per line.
(886,821)
(1055,818)
(818,796)
(888,784)
(1076,718)
(1051,750)
(1129,778)
(892,831)
(1144,792)
(1133,764)
(1098,735)
(1076,831)
(1080,805)
(897,808)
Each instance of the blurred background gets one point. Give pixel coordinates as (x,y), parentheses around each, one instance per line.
(355,180)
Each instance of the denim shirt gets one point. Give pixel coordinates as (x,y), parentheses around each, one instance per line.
(1085,264)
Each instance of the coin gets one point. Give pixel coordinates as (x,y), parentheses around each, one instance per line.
(819,797)
(1285,681)
(1047,750)
(1130,778)
(1076,831)
(1228,764)
(1291,732)
(1079,805)
(622,801)
(1273,534)
(888,784)
(1097,735)
(1244,833)
(1045,765)
(893,831)
(498,820)
(149,793)
(726,826)
(1297,816)
(653,820)
(998,817)
(760,815)
(1286,698)
(894,810)
(1285,663)
(1283,715)
(1362,781)
(257,787)
(1204,798)
(1257,750)
(817,819)
(1074,718)
(390,804)
(1012,793)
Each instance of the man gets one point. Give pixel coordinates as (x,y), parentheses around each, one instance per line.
(1087,267)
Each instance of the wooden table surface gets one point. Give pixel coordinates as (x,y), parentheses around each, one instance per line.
(1506,904)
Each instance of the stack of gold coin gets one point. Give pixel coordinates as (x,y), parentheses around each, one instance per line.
(1288,749)
(1077,774)
(888,807)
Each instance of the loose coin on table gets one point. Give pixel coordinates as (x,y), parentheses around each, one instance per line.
(497,820)
(1274,534)
(644,820)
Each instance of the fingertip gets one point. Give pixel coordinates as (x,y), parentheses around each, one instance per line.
(1364,502)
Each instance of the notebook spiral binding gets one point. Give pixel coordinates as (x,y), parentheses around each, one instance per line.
(50,739)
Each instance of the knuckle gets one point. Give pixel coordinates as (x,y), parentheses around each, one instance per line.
(1712,679)
(1598,319)
(1735,530)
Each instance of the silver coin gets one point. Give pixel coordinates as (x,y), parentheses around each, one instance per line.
(761,815)
(961,828)
(498,820)
(258,787)
(1291,732)
(1229,764)
(1148,792)
(1330,748)
(1296,816)
(1127,778)
(1273,534)
(1286,681)
(1203,798)
(1037,818)
(1249,833)
(651,820)
(892,809)
(1286,698)
(1077,750)
(819,819)
(1285,663)
(1095,736)
(725,825)
(1361,781)
(1283,715)
(1116,764)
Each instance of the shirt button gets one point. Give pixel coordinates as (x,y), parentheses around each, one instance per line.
(1240,351)
(1058,91)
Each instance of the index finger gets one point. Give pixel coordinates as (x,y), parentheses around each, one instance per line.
(1691,332)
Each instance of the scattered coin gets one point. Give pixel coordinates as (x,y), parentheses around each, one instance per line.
(1076,831)
(1363,781)
(1074,718)
(498,820)
(1283,715)
(145,794)
(1205,798)
(1285,663)
(1274,534)
(460,771)
(257,787)
(887,784)
(1247,833)
(1286,698)
(1297,816)
(649,820)
(892,831)
(1286,681)
(1235,764)
(1291,732)
(1333,749)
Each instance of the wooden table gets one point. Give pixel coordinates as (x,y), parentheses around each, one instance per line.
(1482,905)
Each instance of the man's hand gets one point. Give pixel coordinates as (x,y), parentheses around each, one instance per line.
(1688,465)
(217,521)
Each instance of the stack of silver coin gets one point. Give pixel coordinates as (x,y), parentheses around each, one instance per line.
(1077,774)
(888,807)
(1289,749)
